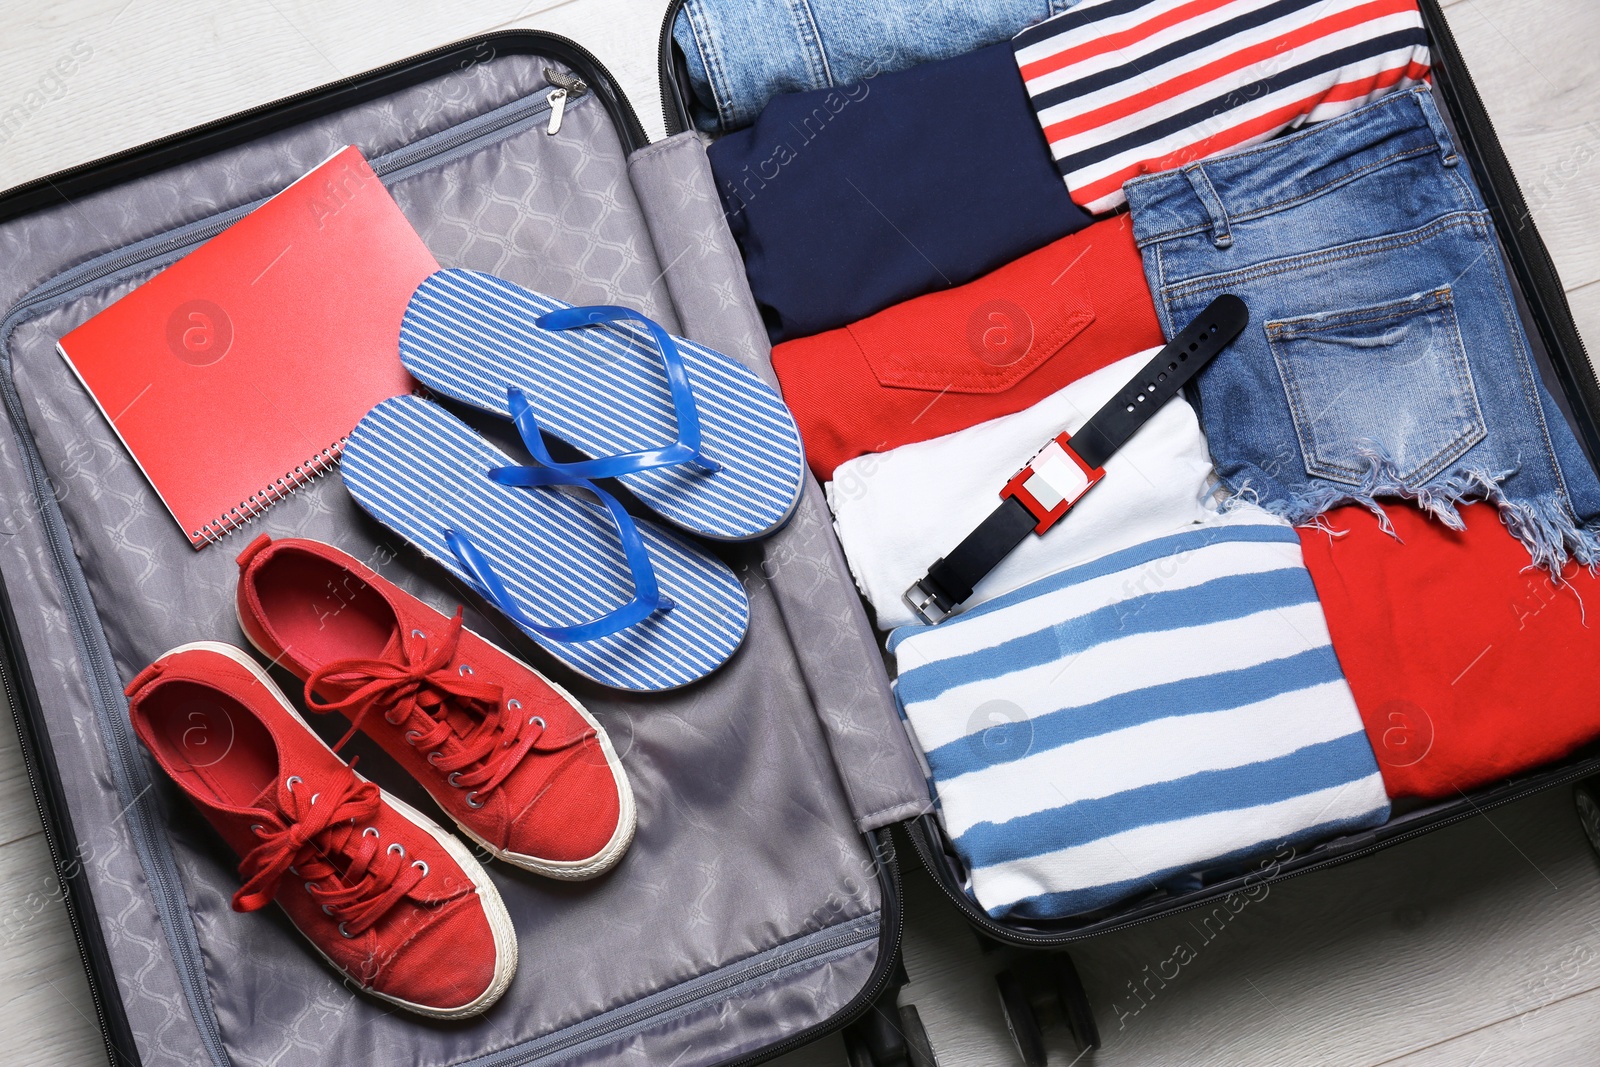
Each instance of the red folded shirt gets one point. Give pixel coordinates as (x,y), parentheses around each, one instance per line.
(961,356)
(1467,665)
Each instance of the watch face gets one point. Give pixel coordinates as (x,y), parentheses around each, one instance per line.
(1059,477)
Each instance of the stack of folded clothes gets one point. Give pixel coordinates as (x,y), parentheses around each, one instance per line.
(1171,695)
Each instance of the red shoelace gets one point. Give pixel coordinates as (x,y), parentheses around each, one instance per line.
(420,691)
(324,839)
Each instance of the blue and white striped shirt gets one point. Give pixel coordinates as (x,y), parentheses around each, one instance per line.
(1160,710)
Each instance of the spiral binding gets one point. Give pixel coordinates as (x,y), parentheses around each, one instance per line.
(253,505)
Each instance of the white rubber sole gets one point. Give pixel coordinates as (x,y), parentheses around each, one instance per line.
(627,815)
(562,870)
(505,935)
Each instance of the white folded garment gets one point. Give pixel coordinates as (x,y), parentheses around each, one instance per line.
(897,512)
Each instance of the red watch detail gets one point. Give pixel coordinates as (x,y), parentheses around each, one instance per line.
(1054,479)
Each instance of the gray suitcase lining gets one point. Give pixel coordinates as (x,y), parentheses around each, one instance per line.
(750,883)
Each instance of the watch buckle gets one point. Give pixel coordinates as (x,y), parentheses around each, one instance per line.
(924,603)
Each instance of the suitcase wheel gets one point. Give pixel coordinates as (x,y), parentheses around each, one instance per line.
(1029,992)
(1017,1007)
(909,1046)
(1586,796)
(919,1050)
(1074,1000)
(889,1034)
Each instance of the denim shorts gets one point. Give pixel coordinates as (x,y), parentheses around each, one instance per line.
(742,53)
(1385,356)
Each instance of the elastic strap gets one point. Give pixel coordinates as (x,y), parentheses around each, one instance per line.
(686,449)
(646,600)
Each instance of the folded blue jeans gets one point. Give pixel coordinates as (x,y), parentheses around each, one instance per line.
(845,201)
(1385,357)
(742,53)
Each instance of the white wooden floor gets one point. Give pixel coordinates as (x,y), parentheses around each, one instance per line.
(1477,945)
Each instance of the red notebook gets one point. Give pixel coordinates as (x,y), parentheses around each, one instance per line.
(235,375)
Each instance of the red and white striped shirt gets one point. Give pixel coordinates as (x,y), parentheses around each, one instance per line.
(1126,87)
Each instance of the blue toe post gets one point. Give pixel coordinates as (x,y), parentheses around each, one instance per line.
(647,598)
(686,449)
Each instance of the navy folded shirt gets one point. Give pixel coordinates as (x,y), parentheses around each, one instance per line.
(847,200)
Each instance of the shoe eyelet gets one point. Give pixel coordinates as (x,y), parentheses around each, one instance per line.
(392,722)
(421,864)
(514,704)
(434,757)
(453,779)
(418,633)
(371,831)
(411,737)
(314,797)
(294,870)
(260,831)
(472,802)
(311,887)
(289,782)
(537,721)
(464,669)
(398,847)
(327,910)
(346,934)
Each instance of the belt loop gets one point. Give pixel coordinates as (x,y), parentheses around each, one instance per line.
(1221,231)
(1430,111)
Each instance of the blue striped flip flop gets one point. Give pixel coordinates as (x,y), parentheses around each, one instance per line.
(656,613)
(694,435)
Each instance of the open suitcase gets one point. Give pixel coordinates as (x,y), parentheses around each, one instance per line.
(759,906)
(1041,983)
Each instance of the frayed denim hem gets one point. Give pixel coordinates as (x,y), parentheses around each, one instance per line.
(1545,524)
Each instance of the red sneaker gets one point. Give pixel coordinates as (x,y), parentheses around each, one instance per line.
(512,757)
(383,892)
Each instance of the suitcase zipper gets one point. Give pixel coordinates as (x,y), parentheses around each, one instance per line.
(1539,277)
(58,857)
(558,107)
(888,956)
(1029,939)
(52,189)
(387,165)
(625,1018)
(125,769)
(674,111)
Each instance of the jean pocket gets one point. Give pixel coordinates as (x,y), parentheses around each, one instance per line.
(1387,384)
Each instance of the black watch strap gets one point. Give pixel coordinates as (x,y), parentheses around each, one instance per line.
(1069,466)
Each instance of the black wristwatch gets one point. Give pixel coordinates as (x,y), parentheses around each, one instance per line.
(1059,475)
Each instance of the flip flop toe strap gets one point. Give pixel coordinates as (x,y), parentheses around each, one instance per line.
(646,600)
(686,449)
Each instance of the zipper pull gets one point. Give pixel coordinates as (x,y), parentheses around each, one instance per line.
(558,107)
(567,87)
(573,84)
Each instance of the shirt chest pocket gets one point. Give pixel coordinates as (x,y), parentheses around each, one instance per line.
(964,342)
